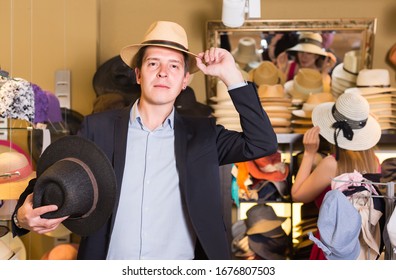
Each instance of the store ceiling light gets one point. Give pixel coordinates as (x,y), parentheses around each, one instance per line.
(235,12)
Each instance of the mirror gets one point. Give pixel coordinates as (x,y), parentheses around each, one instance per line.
(348,34)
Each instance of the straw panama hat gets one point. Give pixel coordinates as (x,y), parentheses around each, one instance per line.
(271,92)
(312,101)
(267,74)
(372,81)
(304,83)
(161,34)
(353,107)
(309,42)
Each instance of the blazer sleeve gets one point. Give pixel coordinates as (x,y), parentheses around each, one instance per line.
(257,138)
(16,231)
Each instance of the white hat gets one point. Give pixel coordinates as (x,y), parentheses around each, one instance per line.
(309,42)
(372,81)
(347,123)
(391,228)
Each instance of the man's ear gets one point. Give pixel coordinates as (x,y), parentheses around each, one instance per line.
(186,80)
(137,74)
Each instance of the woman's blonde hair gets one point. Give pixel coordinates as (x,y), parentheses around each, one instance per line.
(361,161)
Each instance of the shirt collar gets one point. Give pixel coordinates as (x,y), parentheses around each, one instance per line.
(136,119)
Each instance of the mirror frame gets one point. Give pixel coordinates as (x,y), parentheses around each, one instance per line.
(365,25)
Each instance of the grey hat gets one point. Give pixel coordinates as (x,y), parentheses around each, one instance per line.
(339,225)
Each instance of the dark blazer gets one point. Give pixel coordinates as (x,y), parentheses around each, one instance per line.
(200,147)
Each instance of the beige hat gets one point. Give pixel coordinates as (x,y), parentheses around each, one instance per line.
(312,101)
(347,123)
(305,82)
(309,42)
(271,92)
(161,34)
(373,81)
(267,74)
(246,51)
(14,166)
(66,251)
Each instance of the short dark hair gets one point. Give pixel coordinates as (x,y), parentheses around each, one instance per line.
(138,59)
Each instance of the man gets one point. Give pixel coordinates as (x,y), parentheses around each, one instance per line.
(167,165)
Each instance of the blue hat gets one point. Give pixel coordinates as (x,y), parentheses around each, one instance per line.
(339,224)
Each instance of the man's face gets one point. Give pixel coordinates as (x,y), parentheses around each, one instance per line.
(162,75)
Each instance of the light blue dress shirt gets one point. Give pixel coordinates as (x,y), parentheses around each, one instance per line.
(151,222)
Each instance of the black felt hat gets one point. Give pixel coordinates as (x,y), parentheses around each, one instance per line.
(114,76)
(74,174)
(186,104)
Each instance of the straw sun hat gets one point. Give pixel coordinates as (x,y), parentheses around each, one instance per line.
(309,42)
(347,123)
(161,34)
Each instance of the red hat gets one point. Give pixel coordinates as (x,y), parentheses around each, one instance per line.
(270,168)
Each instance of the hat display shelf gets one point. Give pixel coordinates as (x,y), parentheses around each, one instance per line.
(284,208)
(349,33)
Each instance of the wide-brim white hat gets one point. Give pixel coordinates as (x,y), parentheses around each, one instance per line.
(309,42)
(356,108)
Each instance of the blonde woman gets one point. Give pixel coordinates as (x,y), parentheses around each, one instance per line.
(353,133)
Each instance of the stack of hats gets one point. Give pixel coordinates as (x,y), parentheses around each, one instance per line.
(302,121)
(344,75)
(224,110)
(374,85)
(305,82)
(277,105)
(260,235)
(11,248)
(266,237)
(269,176)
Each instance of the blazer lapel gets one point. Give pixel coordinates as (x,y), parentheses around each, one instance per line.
(181,138)
(120,144)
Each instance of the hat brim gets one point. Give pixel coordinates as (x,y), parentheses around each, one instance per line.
(308,48)
(128,53)
(363,139)
(73,146)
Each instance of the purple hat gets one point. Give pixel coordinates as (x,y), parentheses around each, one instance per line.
(54,111)
(41,105)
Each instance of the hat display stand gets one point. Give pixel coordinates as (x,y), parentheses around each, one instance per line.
(382,196)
